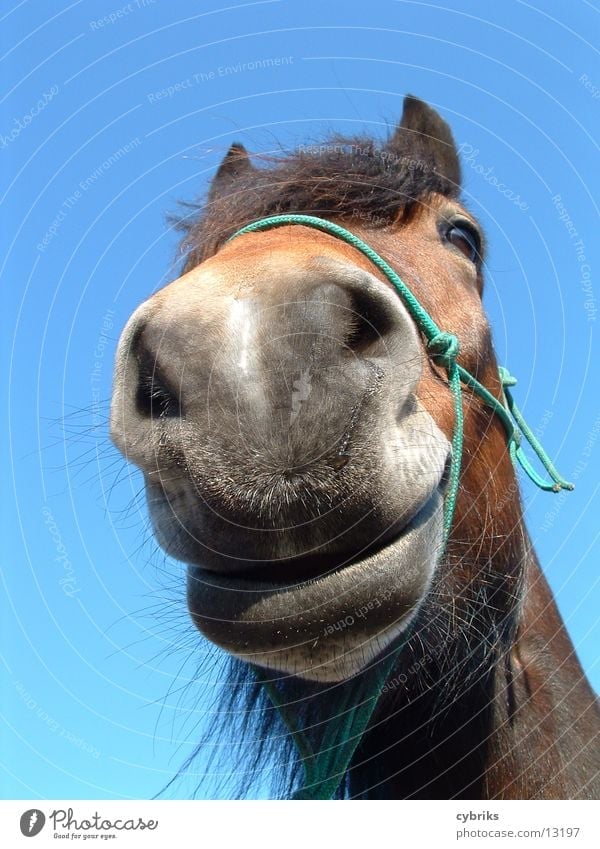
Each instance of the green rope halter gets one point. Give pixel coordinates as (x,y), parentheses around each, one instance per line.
(325,769)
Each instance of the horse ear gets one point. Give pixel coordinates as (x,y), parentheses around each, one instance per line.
(235,163)
(431,136)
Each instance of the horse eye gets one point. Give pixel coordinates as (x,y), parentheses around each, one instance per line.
(466,239)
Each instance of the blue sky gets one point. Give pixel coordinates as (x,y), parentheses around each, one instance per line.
(113,111)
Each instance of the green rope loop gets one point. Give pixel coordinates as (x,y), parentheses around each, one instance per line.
(325,769)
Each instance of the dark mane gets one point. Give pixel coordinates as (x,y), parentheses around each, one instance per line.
(345,177)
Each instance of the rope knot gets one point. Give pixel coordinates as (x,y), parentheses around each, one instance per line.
(506,377)
(444,348)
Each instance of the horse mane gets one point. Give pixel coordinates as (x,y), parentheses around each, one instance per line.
(345,177)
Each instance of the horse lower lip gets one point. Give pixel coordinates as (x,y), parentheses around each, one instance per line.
(281,625)
(303,570)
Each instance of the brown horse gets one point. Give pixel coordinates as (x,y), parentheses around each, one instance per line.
(295,438)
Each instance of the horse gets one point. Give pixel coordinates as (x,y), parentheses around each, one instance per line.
(300,435)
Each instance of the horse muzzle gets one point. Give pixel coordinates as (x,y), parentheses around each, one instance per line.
(283,446)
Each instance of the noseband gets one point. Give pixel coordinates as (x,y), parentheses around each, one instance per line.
(325,769)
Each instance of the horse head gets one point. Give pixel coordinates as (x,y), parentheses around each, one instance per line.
(296,433)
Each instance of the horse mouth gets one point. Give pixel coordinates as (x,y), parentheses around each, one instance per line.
(287,573)
(324,621)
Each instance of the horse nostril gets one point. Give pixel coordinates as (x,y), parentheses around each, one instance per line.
(153,398)
(369,323)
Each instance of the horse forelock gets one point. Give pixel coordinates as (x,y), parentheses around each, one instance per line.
(344,177)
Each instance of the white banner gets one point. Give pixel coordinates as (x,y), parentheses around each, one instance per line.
(293,825)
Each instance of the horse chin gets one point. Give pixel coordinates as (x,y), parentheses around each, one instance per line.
(330,627)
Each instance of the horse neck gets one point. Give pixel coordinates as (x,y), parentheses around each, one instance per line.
(520,728)
(546,718)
